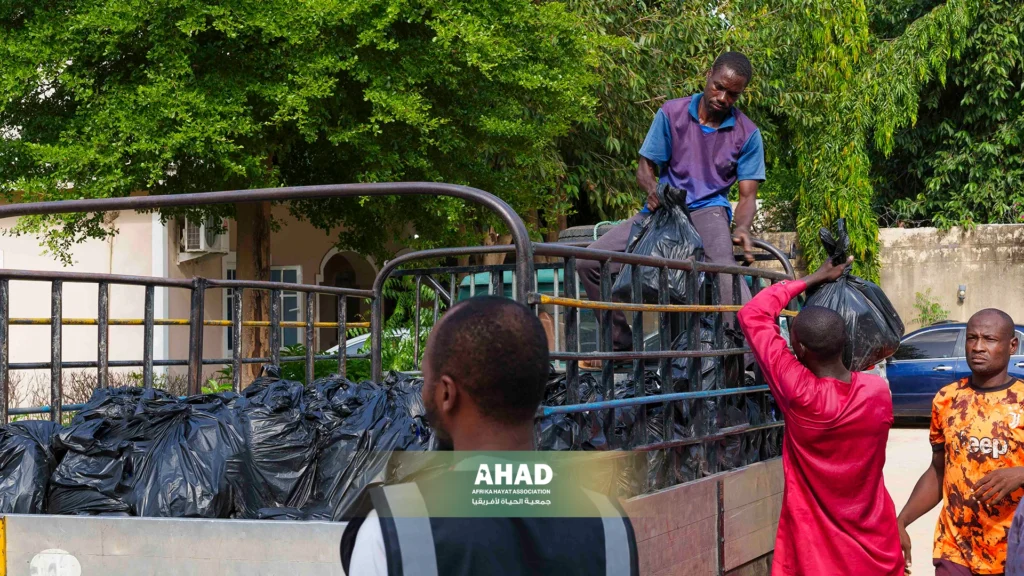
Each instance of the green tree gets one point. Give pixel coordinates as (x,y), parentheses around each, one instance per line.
(963,162)
(105,98)
(839,92)
(832,83)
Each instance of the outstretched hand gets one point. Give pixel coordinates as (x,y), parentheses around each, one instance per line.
(905,545)
(828,272)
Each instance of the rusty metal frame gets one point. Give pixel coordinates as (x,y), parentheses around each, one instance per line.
(522,247)
(669,314)
(672,318)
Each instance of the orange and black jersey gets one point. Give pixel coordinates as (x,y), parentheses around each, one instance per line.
(979,430)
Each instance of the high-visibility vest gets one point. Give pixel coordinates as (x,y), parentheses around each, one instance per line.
(418,544)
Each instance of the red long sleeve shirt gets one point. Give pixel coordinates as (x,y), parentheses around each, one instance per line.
(837,517)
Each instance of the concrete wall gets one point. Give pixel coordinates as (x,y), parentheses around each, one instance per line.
(130,252)
(294,243)
(988,259)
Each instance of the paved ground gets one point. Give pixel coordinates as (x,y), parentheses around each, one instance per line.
(906,457)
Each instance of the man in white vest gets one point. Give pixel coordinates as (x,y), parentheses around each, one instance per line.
(485,369)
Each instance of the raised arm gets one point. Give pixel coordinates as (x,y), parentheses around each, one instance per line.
(786,376)
(758,319)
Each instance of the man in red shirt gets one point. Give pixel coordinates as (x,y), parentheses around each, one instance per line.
(837,517)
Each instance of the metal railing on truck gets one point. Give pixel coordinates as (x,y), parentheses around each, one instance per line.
(195,361)
(672,320)
(564,300)
(198,288)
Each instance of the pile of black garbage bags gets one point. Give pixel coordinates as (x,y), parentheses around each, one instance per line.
(644,425)
(281,450)
(278,450)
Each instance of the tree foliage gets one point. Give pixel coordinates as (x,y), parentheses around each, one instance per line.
(104,98)
(908,109)
(963,162)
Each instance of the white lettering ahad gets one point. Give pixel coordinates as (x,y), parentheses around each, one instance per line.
(483,475)
(503,474)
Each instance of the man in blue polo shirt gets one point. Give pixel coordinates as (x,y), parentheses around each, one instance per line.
(703,145)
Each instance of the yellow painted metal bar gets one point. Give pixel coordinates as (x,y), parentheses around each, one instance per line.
(629,307)
(3,546)
(176,322)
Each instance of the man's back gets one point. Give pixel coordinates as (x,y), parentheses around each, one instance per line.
(837,517)
(833,456)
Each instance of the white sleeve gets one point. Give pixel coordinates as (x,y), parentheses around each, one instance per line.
(368,555)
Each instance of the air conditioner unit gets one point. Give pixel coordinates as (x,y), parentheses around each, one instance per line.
(201,239)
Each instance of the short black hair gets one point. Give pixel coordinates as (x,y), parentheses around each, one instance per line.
(821,330)
(497,350)
(736,62)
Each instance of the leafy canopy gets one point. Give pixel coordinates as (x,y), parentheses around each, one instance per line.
(104,98)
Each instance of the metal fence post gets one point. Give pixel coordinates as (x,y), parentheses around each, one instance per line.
(668,408)
(56,345)
(275,327)
(195,336)
(639,365)
(606,345)
(147,339)
(416,325)
(310,340)
(103,336)
(342,336)
(236,337)
(5,313)
(572,335)
(376,328)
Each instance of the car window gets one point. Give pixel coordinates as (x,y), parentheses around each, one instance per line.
(1020,339)
(934,344)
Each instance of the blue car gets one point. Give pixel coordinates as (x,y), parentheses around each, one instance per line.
(929,359)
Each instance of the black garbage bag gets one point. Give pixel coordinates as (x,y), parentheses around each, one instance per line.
(179,458)
(666,233)
(627,429)
(557,431)
(586,430)
(701,417)
(277,463)
(27,459)
(355,449)
(873,327)
(325,391)
(739,450)
(116,403)
(88,478)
